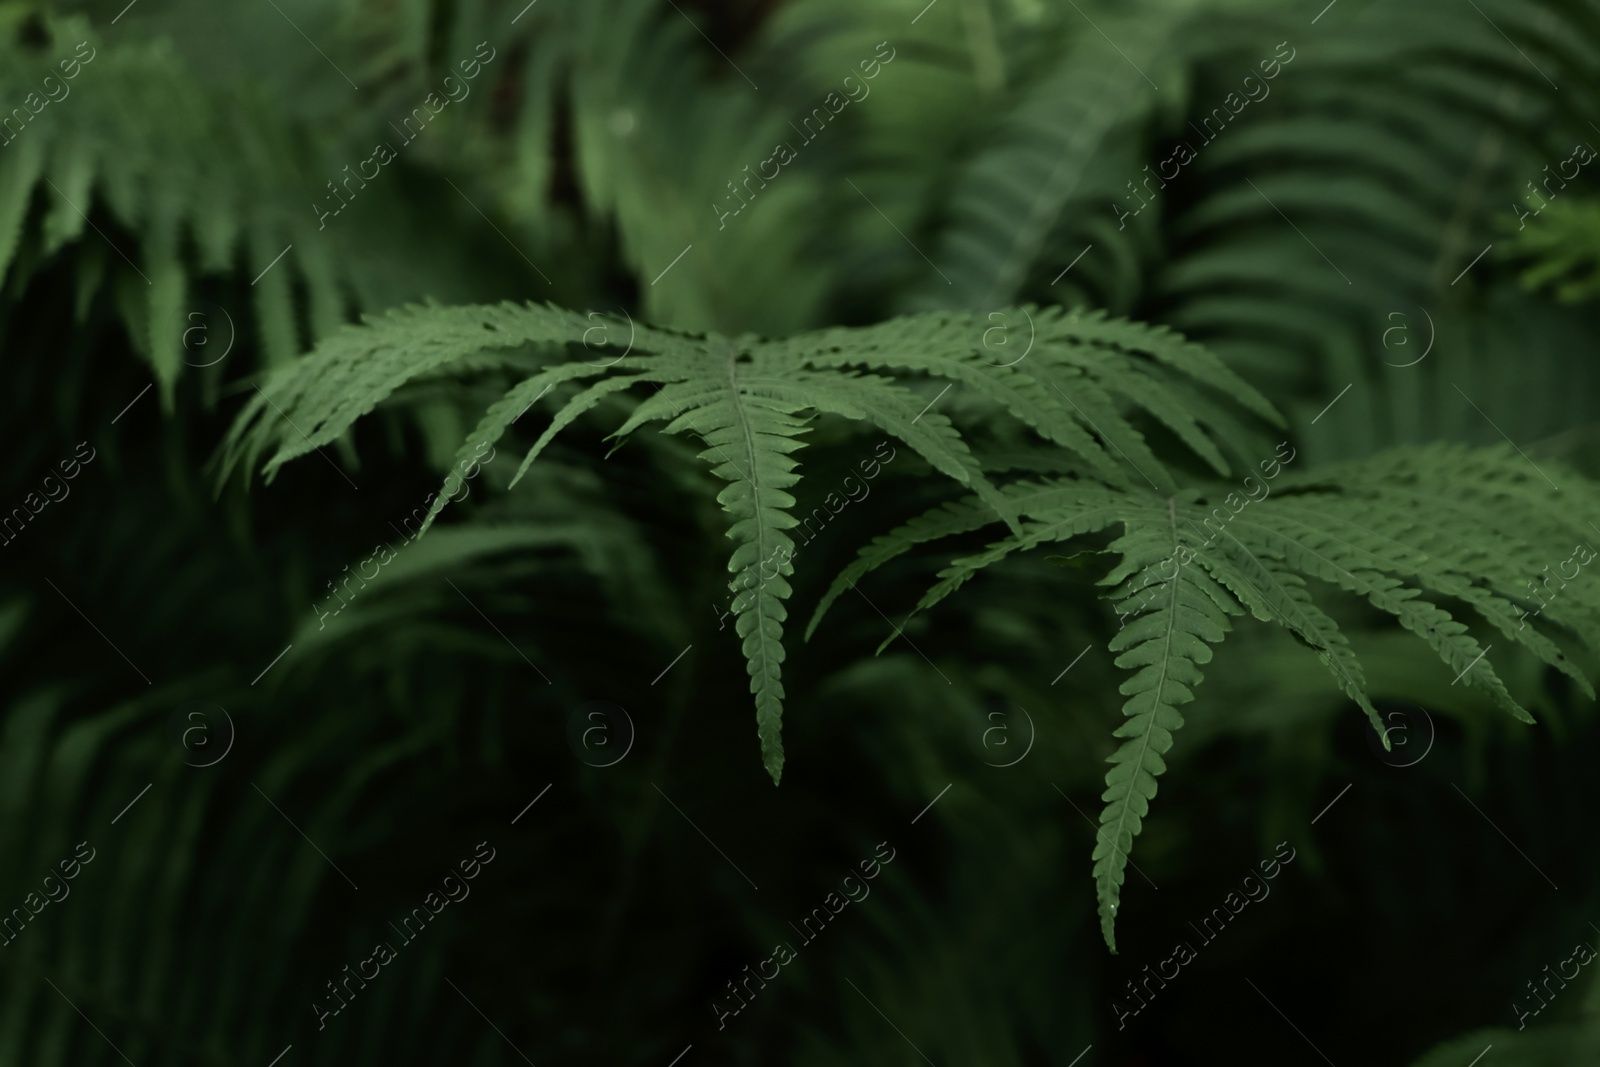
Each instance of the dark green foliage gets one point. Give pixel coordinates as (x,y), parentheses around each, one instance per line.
(958,403)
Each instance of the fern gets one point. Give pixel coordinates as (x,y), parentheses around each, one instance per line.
(1168,644)
(160,181)
(1190,560)
(1395,142)
(416,719)
(1010,200)
(743,399)
(1397,155)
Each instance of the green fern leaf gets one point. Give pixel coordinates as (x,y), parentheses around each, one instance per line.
(1274,593)
(743,399)
(1167,645)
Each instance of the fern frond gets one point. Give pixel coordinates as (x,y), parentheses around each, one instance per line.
(1270,589)
(1086,378)
(1397,149)
(750,441)
(1167,644)
(1014,192)
(1062,511)
(1399,531)
(181,178)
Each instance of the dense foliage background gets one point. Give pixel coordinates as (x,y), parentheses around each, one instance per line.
(1392,235)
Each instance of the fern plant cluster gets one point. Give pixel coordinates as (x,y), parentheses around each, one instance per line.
(743,399)
(660,410)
